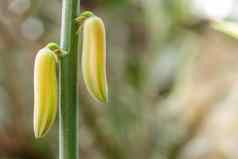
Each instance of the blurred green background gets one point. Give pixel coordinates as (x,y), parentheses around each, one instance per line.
(173,81)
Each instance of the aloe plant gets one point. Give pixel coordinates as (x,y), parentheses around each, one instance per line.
(65,58)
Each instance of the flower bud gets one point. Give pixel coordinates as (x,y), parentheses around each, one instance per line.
(45,91)
(94,58)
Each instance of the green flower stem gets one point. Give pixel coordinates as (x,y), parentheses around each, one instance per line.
(68,109)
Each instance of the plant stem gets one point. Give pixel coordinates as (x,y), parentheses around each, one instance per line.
(68,109)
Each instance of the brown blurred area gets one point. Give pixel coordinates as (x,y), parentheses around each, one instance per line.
(173,81)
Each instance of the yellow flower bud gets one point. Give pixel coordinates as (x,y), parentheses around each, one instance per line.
(45,91)
(94,58)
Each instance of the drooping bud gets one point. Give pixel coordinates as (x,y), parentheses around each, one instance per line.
(94,58)
(45,91)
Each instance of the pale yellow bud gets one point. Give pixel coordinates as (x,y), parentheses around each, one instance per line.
(94,58)
(45,91)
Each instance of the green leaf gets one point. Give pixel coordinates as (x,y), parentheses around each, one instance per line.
(228,28)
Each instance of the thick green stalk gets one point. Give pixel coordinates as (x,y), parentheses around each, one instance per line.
(68,115)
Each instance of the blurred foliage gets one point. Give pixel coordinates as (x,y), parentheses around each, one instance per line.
(173,83)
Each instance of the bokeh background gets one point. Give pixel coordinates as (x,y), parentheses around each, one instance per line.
(173,81)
